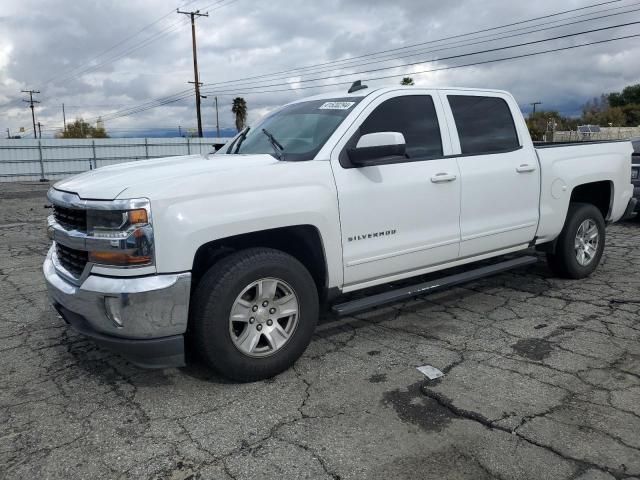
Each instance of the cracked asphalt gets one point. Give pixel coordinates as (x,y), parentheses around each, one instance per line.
(542,381)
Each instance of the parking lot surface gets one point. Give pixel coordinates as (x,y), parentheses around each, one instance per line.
(541,381)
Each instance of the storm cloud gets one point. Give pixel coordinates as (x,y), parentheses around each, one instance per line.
(52,45)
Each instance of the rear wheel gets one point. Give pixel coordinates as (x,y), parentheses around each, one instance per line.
(580,245)
(254,313)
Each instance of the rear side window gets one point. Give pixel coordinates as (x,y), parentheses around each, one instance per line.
(484,124)
(415,117)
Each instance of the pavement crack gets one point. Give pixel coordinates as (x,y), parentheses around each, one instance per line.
(492,425)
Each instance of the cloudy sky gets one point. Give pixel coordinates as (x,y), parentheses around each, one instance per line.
(117,58)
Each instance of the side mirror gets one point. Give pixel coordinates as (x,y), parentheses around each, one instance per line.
(377,149)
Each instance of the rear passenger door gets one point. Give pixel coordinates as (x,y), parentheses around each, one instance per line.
(500,175)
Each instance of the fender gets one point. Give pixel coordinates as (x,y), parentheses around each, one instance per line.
(188,214)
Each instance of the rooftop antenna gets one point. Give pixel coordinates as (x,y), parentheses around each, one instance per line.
(355,86)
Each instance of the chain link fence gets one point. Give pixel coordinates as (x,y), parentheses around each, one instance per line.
(50,159)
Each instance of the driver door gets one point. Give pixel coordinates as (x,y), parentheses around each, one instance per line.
(401,217)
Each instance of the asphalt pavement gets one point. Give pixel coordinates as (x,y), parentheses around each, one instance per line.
(541,381)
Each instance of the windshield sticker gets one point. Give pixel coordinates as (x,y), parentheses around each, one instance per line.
(336,105)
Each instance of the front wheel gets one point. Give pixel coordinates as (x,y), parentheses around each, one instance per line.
(254,313)
(580,245)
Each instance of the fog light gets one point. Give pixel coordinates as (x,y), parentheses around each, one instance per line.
(112,307)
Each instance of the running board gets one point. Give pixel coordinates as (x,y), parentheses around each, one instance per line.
(425,288)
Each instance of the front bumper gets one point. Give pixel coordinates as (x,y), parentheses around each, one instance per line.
(142,318)
(632,207)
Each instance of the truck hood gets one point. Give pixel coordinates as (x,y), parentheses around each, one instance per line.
(107,183)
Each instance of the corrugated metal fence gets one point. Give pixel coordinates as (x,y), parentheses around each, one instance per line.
(52,158)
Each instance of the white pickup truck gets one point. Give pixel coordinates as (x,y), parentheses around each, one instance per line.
(232,253)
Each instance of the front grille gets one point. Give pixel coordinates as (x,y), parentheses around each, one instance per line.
(72,260)
(70,218)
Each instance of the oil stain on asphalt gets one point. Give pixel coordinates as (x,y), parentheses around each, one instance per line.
(412,406)
(533,348)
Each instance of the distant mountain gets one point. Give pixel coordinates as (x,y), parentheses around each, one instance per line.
(168,133)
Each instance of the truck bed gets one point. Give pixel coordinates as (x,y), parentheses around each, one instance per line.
(566,144)
(566,165)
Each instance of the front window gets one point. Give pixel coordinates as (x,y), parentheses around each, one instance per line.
(415,117)
(301,129)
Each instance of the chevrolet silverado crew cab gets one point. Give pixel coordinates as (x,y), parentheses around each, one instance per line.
(231,254)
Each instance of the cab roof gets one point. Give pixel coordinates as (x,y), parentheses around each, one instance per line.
(363,92)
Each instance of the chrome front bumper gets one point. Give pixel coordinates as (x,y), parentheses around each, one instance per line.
(143,318)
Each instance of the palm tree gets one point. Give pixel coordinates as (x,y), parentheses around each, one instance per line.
(239,109)
(407,81)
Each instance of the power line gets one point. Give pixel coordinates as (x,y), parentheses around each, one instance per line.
(147,41)
(421,72)
(398,75)
(156,36)
(181,95)
(234,92)
(435,41)
(219,3)
(492,38)
(125,40)
(151,104)
(113,47)
(497,60)
(173,98)
(451,57)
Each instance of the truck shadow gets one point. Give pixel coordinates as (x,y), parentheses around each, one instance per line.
(520,278)
(108,366)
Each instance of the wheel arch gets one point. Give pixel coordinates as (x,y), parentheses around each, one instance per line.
(599,194)
(303,242)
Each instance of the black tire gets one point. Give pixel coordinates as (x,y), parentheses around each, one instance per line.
(563,261)
(215,296)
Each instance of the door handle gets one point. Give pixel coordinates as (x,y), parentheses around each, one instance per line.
(525,168)
(443,177)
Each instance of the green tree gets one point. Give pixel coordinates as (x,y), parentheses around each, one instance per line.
(407,81)
(239,109)
(543,121)
(599,112)
(614,116)
(540,121)
(629,95)
(81,129)
(632,114)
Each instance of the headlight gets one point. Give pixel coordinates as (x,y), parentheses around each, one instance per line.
(115,223)
(122,238)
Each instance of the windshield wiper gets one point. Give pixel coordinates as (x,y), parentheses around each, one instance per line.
(241,138)
(277,147)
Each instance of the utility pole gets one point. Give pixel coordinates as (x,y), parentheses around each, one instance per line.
(534,106)
(196,82)
(179,131)
(217,123)
(31,101)
(39,130)
(64,119)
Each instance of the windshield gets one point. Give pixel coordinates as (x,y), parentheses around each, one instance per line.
(301,129)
